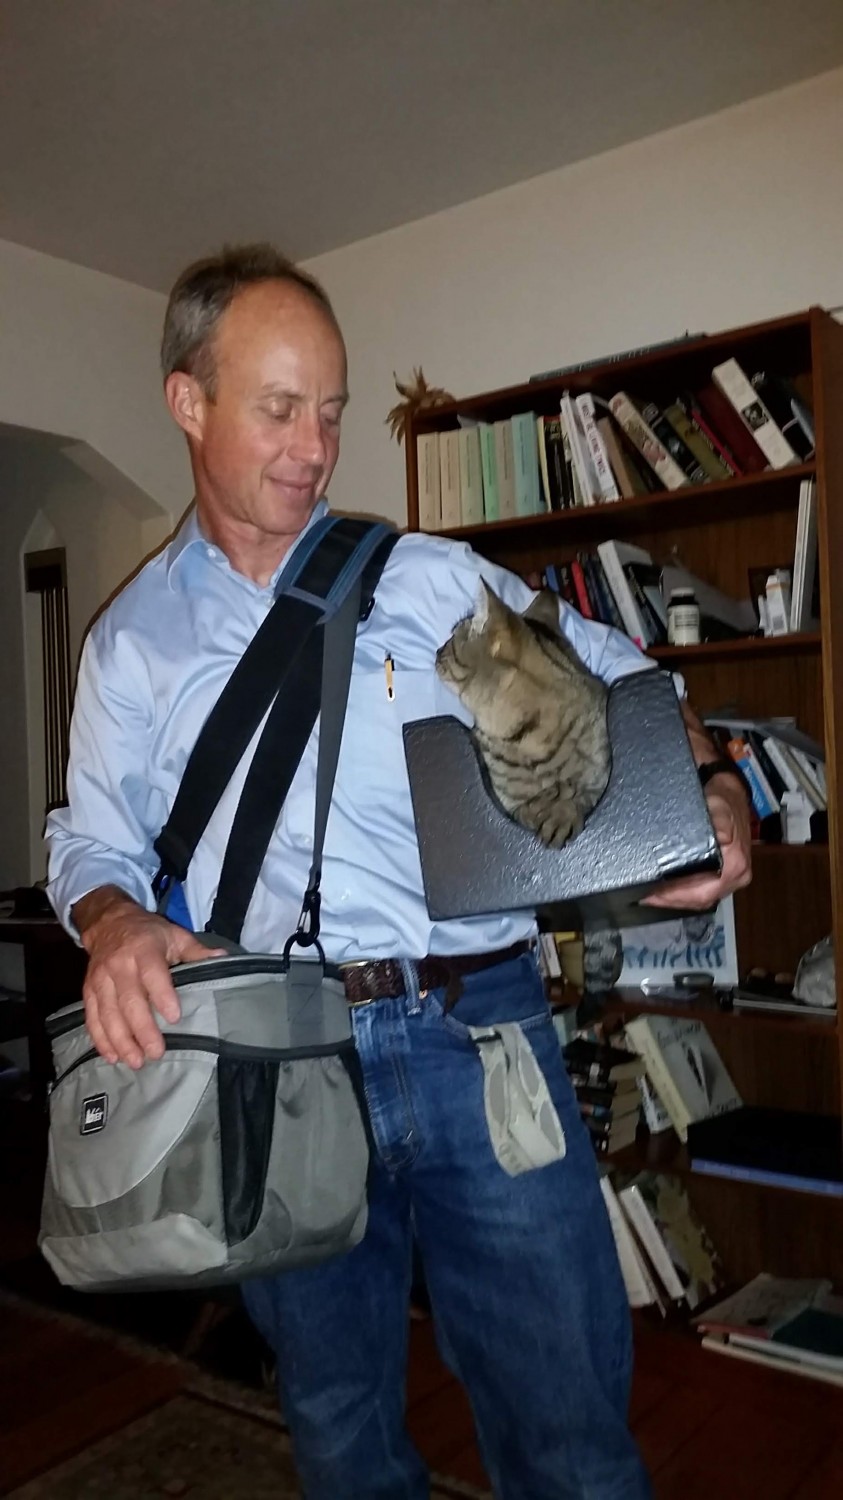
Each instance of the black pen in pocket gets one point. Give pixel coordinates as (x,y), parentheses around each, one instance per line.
(389,673)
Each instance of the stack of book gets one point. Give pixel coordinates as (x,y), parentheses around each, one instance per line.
(593,451)
(684,1068)
(605,1080)
(784,770)
(665,1253)
(782,1323)
(621,585)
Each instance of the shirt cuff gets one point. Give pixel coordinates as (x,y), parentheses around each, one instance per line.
(65,891)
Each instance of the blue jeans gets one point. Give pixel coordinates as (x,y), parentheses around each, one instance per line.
(525,1289)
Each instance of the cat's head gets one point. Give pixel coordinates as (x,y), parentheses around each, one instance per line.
(486,650)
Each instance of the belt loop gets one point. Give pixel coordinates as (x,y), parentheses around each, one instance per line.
(411,986)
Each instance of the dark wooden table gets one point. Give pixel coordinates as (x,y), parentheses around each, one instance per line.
(53,972)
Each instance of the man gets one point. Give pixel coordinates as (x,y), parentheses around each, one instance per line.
(522,1274)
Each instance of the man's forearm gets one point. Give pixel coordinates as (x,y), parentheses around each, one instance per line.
(703,747)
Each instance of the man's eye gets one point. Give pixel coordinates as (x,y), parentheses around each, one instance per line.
(332,418)
(280,413)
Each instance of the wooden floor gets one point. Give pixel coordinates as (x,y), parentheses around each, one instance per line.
(707,1426)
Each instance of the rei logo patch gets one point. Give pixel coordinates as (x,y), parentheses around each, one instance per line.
(94,1114)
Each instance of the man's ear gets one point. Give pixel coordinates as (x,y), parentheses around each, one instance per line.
(187,402)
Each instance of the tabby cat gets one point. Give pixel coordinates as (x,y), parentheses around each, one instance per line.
(539,714)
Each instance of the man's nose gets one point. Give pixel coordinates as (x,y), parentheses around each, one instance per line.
(309,439)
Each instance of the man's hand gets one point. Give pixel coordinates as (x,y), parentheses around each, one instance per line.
(728,808)
(729,813)
(130,952)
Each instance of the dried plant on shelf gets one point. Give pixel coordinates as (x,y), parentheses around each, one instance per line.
(417,395)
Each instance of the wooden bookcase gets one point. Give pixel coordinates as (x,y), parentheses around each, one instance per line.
(796,896)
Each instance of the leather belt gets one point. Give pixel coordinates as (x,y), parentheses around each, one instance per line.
(382,979)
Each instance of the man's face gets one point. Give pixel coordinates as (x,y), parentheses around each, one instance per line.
(266,446)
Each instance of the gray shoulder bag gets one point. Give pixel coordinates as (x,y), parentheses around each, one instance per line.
(243,1151)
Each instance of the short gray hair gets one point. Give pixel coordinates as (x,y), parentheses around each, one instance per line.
(203,292)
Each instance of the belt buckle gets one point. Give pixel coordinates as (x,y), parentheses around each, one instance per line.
(357,963)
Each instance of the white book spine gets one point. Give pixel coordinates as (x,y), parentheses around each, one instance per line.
(449,479)
(597,448)
(636,1210)
(645,1044)
(579,451)
(816,783)
(782,765)
(731,380)
(651,449)
(640,1289)
(623,596)
(805,557)
(430,502)
(471,477)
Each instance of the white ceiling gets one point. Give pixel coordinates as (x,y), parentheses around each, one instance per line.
(138,134)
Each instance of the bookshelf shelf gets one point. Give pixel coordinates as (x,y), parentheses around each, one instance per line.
(624,1005)
(666,1153)
(748,647)
(694,505)
(726,533)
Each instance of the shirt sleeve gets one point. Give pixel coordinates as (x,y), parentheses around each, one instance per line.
(607,652)
(104,834)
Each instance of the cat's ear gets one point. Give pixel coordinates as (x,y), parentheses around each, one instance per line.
(484,608)
(544,609)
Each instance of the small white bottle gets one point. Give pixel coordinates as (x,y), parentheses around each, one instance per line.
(796,818)
(683,618)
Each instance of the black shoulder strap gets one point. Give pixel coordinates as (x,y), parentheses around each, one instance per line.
(278,753)
(322,569)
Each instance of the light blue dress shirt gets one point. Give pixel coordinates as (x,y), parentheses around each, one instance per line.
(151,669)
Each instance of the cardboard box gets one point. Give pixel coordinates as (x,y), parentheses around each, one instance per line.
(650,826)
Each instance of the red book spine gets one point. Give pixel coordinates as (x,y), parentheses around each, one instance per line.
(722,416)
(583,601)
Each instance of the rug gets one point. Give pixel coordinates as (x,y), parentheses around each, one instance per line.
(189,1447)
(214,1440)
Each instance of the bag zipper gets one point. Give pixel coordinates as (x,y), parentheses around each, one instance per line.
(213,1044)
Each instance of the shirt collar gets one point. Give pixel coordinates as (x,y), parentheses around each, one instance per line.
(190,535)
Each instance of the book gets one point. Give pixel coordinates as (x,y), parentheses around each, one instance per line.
(627,476)
(505,466)
(764,799)
(789,413)
(489,469)
(613,1136)
(732,381)
(656,1117)
(697,442)
(601,1063)
(613,555)
(805,559)
(676,1242)
(685,1069)
(552,465)
(762,1305)
(690,405)
(608,489)
(430,494)
(526,464)
(449,479)
(779,1148)
(612,359)
(678,449)
(638,1281)
(588,487)
(727,424)
(762,1356)
(580,590)
(471,477)
(645,440)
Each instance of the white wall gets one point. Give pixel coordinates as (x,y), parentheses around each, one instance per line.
(731,219)
(79,356)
